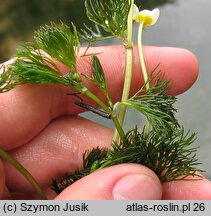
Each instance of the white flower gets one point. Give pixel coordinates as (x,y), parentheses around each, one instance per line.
(146,17)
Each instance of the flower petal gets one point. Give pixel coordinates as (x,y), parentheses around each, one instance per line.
(155,14)
(135,11)
(146,12)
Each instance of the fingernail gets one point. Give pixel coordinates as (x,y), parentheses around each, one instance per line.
(136,187)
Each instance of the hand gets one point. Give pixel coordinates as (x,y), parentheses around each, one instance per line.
(39,126)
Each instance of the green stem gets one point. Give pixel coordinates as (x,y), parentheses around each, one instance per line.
(106,108)
(141,56)
(24,172)
(128,70)
(143,68)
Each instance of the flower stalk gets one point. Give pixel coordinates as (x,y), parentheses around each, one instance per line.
(141,56)
(144,18)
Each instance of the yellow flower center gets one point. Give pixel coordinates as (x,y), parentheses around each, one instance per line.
(146,19)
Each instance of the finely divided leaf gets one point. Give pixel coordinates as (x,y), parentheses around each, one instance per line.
(156,105)
(98,73)
(90,160)
(158,110)
(6,81)
(60,42)
(32,66)
(111,15)
(93,35)
(168,155)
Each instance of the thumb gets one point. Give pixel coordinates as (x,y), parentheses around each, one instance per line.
(120,182)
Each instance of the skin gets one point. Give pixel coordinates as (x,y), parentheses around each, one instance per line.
(40,127)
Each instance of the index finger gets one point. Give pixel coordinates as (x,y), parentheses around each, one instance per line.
(27,109)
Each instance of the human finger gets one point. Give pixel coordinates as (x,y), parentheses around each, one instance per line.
(34,107)
(58,149)
(120,182)
(187,190)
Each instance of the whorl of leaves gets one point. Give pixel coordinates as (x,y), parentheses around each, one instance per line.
(168,155)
